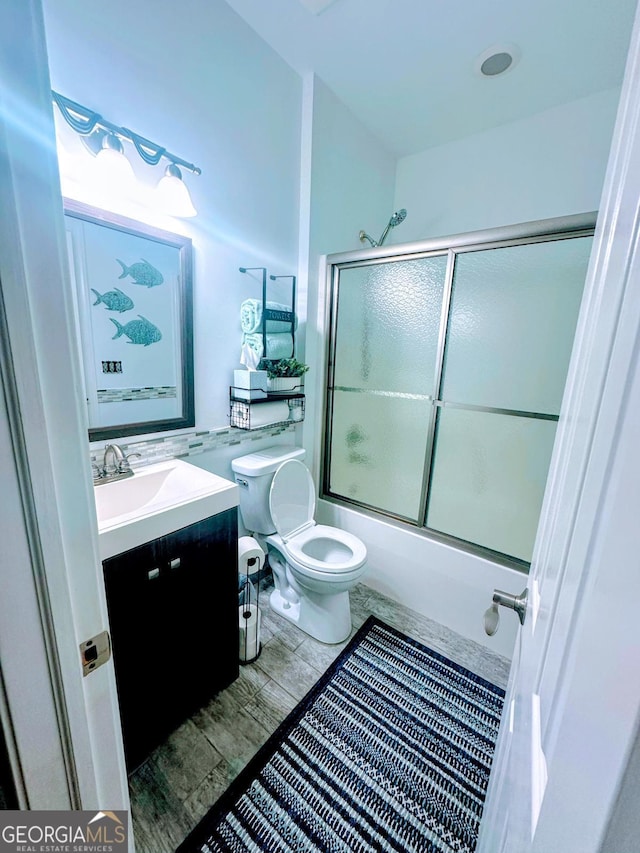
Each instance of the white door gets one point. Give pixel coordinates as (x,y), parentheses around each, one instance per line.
(574,693)
(63,730)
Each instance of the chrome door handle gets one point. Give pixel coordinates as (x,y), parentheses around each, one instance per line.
(514,602)
(505,599)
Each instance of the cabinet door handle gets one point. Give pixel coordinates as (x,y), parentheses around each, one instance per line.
(152,574)
(175,563)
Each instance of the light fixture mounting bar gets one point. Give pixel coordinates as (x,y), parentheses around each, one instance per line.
(85,121)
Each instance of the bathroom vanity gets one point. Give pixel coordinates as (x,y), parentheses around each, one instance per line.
(173,607)
(171,578)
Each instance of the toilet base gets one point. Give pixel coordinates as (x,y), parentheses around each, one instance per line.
(324,617)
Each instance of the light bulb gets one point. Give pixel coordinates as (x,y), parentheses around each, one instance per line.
(114,168)
(110,175)
(172,194)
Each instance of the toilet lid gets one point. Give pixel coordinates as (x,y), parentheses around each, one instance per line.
(292,499)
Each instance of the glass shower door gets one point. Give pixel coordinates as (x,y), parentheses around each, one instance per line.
(512,319)
(446,373)
(388,333)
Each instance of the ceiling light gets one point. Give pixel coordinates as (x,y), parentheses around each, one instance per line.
(172,194)
(497,63)
(497,60)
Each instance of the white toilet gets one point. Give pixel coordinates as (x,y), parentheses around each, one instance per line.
(314,565)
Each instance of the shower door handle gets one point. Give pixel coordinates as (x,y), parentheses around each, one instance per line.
(505,599)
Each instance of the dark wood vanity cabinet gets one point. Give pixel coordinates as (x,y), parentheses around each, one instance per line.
(173,611)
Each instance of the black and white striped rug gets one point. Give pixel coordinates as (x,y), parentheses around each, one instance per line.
(389,751)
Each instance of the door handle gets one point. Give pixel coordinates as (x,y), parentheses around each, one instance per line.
(514,602)
(505,599)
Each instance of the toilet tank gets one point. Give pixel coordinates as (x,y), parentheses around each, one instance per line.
(253,474)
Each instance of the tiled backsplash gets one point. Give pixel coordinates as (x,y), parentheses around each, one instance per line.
(124,395)
(189,444)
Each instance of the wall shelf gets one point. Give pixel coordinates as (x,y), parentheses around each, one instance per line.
(253,414)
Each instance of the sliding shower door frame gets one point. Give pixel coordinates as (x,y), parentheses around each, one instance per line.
(539,231)
(437,384)
(374,259)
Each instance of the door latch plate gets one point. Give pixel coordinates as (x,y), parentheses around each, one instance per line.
(94,652)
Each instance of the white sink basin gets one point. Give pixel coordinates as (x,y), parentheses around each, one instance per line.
(157,500)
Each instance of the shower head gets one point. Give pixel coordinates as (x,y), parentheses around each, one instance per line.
(398,217)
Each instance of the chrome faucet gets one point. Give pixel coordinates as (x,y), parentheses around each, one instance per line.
(114,459)
(115,465)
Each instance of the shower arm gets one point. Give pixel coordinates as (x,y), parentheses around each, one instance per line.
(364,236)
(374,243)
(384,233)
(398,217)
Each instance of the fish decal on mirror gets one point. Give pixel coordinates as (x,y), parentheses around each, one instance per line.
(140,331)
(142,272)
(113,300)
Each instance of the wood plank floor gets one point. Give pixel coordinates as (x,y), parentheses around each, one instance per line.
(182,779)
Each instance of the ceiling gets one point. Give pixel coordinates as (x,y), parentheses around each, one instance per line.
(406,68)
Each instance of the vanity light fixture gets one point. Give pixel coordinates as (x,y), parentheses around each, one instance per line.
(104,140)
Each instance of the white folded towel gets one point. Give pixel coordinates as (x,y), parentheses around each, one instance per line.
(278,346)
(251,317)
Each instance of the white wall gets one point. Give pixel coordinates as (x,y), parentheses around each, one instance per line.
(197,80)
(351,182)
(551,164)
(352,177)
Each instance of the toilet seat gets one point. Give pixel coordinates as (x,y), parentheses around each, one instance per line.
(301,549)
(314,547)
(292,499)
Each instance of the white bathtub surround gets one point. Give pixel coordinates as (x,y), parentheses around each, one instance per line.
(443,583)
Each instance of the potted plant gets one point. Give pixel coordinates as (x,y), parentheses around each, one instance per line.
(284,374)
